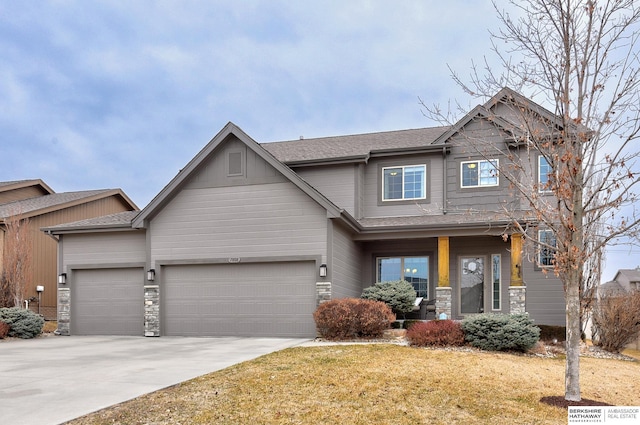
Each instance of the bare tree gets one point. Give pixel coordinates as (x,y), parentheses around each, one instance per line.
(16,271)
(579,58)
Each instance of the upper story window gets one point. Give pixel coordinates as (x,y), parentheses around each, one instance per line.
(544,171)
(404,182)
(546,254)
(480,173)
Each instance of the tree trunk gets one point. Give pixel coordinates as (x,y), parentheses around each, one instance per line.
(572,364)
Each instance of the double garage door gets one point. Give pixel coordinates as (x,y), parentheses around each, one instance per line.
(258,299)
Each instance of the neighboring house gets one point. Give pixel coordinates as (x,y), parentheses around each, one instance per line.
(249,238)
(37,202)
(624,282)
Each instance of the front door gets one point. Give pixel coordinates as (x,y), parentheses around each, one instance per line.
(472,285)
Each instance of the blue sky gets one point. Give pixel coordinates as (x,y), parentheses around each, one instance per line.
(122,94)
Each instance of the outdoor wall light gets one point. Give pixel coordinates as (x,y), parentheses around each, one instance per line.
(151,275)
(62,278)
(323,270)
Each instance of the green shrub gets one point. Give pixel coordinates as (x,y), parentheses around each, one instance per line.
(397,294)
(349,318)
(501,332)
(4,330)
(24,323)
(439,333)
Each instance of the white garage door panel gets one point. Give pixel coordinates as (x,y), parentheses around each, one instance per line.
(275,299)
(108,302)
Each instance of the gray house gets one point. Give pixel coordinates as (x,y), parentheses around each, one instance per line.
(248,238)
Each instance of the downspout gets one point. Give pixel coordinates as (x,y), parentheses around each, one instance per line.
(444,180)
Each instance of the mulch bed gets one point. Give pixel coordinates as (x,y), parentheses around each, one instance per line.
(559,401)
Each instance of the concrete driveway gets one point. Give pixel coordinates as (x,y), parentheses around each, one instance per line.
(58,378)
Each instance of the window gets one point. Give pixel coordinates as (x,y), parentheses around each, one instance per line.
(495,282)
(544,171)
(481,173)
(545,253)
(404,183)
(414,270)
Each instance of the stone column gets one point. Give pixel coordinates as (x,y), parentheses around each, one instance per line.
(323,292)
(64,311)
(152,310)
(517,299)
(443,301)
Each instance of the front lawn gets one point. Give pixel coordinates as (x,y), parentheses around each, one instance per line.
(378,384)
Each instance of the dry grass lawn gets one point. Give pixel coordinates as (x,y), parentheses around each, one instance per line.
(378,384)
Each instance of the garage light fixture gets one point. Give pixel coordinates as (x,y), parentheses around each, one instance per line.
(323,270)
(62,278)
(151,275)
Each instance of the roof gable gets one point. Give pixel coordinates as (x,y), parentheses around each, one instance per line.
(228,132)
(57,201)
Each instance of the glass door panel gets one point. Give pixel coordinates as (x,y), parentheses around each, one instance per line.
(472,285)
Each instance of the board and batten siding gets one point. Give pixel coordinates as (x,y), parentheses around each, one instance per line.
(373,188)
(337,183)
(346,277)
(97,249)
(545,296)
(267,220)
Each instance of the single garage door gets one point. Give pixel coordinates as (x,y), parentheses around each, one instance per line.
(262,299)
(108,302)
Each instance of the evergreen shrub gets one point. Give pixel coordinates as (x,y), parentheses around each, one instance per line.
(501,332)
(349,318)
(24,323)
(397,294)
(438,333)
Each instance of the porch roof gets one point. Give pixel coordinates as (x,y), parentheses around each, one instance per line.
(440,225)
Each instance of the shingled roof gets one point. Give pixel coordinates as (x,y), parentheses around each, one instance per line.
(46,202)
(122,219)
(356,146)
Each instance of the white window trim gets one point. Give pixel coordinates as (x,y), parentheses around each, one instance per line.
(499,283)
(496,163)
(540,188)
(540,247)
(424,183)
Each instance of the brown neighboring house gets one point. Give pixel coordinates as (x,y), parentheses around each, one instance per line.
(36,201)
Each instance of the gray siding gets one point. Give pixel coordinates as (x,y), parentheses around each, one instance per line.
(373,188)
(238,222)
(103,248)
(346,277)
(545,296)
(477,142)
(336,182)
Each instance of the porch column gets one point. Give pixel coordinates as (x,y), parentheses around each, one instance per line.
(443,290)
(517,288)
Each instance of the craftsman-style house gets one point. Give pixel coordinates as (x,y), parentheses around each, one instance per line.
(248,238)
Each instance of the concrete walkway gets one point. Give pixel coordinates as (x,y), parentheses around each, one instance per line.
(54,379)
